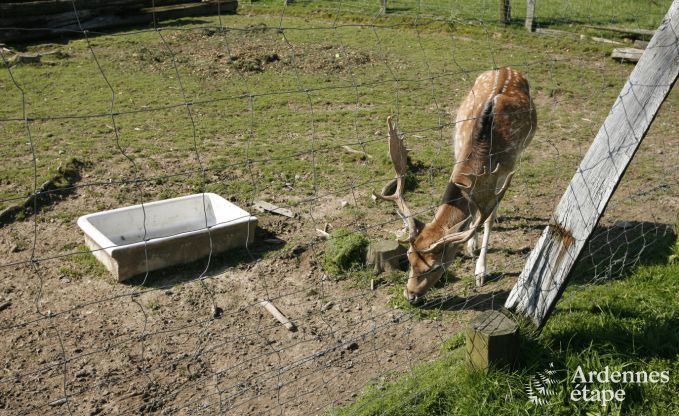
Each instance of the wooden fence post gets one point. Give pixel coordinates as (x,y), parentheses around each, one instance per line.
(383,7)
(545,274)
(530,15)
(505,12)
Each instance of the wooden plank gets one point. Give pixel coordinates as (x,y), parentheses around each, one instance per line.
(545,274)
(530,15)
(627,54)
(263,206)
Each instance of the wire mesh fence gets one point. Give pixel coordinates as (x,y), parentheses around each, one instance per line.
(285,104)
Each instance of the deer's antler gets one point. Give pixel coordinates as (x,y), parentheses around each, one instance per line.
(459,237)
(399,157)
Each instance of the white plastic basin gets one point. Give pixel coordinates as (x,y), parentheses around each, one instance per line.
(175,230)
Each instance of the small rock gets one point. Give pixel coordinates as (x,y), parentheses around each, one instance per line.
(623,224)
(217,312)
(14,248)
(344,203)
(352,346)
(58,402)
(327,306)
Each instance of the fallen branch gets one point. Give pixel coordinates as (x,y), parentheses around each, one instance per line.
(278,315)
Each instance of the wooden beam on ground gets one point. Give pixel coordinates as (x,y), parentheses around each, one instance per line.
(627,54)
(628,31)
(546,272)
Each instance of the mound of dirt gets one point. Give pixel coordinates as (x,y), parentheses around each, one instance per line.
(256,49)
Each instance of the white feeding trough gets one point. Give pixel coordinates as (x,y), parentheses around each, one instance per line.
(176,233)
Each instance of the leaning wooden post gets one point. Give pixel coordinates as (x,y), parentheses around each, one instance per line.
(545,275)
(530,15)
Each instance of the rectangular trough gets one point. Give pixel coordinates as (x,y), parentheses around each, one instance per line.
(176,233)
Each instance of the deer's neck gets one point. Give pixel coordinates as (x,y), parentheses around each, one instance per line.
(454,208)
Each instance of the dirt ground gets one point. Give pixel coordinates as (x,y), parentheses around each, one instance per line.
(76,342)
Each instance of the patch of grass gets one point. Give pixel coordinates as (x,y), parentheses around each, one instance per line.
(81,265)
(628,325)
(345,251)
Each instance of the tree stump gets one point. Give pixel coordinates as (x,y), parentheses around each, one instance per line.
(386,256)
(492,341)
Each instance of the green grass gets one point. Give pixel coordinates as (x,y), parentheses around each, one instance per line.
(357,76)
(628,324)
(345,252)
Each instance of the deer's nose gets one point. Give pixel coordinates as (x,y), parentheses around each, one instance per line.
(412,297)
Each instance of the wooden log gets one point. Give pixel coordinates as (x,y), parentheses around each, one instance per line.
(492,341)
(546,272)
(530,16)
(386,256)
(627,54)
(278,315)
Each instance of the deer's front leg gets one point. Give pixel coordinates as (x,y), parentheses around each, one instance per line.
(480,271)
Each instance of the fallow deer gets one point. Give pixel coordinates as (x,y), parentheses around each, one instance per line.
(494,124)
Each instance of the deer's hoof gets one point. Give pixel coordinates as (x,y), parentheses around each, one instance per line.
(480,279)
